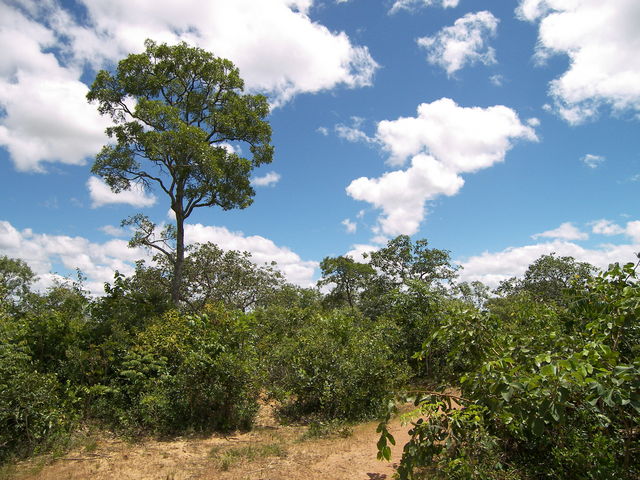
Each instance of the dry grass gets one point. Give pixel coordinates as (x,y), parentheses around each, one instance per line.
(270,451)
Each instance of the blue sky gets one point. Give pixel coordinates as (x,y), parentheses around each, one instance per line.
(499,130)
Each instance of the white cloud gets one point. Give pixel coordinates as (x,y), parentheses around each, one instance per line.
(353,132)
(606,227)
(98,261)
(357,252)
(493,267)
(462,43)
(46,253)
(267,180)
(633,230)
(277,47)
(592,161)
(497,80)
(413,4)
(350,226)
(601,40)
(101,195)
(296,270)
(113,231)
(44,115)
(323,131)
(533,122)
(401,195)
(566,231)
(466,139)
(444,140)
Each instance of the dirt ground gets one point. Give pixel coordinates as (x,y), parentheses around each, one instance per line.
(269,452)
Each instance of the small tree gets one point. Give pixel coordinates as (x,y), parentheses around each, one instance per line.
(348,276)
(179,115)
(214,275)
(16,278)
(402,261)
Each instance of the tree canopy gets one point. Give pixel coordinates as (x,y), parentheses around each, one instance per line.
(181,123)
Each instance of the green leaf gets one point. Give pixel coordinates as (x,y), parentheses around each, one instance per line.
(386,453)
(506,394)
(537,426)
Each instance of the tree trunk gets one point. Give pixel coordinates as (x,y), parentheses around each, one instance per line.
(176,281)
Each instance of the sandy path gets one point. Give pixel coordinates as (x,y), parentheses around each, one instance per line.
(335,458)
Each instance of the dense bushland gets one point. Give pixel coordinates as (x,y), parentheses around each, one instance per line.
(538,379)
(549,381)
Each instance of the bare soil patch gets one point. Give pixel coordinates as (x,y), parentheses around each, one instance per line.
(269,452)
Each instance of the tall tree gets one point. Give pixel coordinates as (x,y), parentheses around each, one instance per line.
(548,278)
(16,278)
(179,117)
(402,261)
(348,276)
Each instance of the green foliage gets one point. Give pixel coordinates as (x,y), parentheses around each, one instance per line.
(348,277)
(547,279)
(554,388)
(16,278)
(401,261)
(32,411)
(188,113)
(336,365)
(230,277)
(185,372)
(417,310)
(404,266)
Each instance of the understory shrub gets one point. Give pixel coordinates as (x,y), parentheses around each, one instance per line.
(31,410)
(185,372)
(337,365)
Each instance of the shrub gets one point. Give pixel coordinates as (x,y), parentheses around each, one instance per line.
(338,365)
(185,372)
(31,410)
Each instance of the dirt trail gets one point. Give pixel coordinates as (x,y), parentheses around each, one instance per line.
(285,456)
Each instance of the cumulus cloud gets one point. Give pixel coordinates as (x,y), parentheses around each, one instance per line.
(606,227)
(566,231)
(277,47)
(493,267)
(601,40)
(47,253)
(44,115)
(296,270)
(350,226)
(113,231)
(98,261)
(414,4)
(358,251)
(592,161)
(463,43)
(401,194)
(267,180)
(443,140)
(465,138)
(101,194)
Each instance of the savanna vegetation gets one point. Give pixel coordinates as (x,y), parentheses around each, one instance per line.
(539,378)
